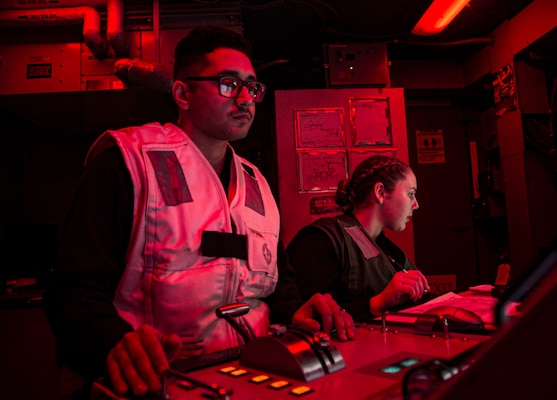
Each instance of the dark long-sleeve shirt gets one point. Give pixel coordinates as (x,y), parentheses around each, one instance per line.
(92,259)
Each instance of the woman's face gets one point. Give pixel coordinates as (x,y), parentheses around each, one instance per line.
(399,204)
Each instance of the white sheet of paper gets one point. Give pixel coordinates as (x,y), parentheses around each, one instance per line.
(482,305)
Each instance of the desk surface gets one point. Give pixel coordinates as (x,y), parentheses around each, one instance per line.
(366,359)
(365,375)
(375,364)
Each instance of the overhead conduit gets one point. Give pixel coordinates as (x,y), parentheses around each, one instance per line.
(152,75)
(131,71)
(28,15)
(115,27)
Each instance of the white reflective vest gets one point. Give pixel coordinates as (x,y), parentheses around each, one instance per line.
(170,280)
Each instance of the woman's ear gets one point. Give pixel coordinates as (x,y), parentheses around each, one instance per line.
(379,192)
(181,92)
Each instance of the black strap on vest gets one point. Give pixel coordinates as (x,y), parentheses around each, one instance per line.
(224,244)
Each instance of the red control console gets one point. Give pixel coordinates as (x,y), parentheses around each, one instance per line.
(282,367)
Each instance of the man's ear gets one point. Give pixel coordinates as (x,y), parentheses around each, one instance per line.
(379,192)
(181,92)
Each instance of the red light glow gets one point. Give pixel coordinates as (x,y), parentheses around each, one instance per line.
(438,16)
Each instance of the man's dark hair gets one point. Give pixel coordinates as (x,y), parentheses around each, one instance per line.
(191,50)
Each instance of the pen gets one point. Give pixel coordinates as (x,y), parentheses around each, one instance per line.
(400,267)
(397,264)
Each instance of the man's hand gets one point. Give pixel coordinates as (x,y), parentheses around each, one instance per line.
(322,307)
(135,364)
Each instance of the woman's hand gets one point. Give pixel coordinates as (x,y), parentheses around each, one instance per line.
(405,285)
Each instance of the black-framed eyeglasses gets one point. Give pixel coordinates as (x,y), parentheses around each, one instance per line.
(230,86)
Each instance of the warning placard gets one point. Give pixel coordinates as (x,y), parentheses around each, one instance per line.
(430,146)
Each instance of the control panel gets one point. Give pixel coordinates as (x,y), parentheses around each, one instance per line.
(282,367)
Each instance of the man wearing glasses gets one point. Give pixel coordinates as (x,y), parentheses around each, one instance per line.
(168,224)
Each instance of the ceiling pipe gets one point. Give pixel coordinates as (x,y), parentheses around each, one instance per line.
(20,5)
(73,11)
(151,75)
(115,28)
(485,40)
(62,16)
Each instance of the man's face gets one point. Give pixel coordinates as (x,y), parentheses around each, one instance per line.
(211,116)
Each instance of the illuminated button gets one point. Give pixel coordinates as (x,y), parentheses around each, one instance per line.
(301,390)
(226,370)
(239,372)
(260,379)
(391,369)
(279,385)
(186,385)
(409,361)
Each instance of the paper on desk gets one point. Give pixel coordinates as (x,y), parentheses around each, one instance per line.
(483,306)
(482,289)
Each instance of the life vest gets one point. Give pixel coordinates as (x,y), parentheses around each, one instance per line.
(193,248)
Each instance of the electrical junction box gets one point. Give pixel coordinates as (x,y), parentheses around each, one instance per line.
(357,64)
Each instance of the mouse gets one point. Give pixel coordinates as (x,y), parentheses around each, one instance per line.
(458,320)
